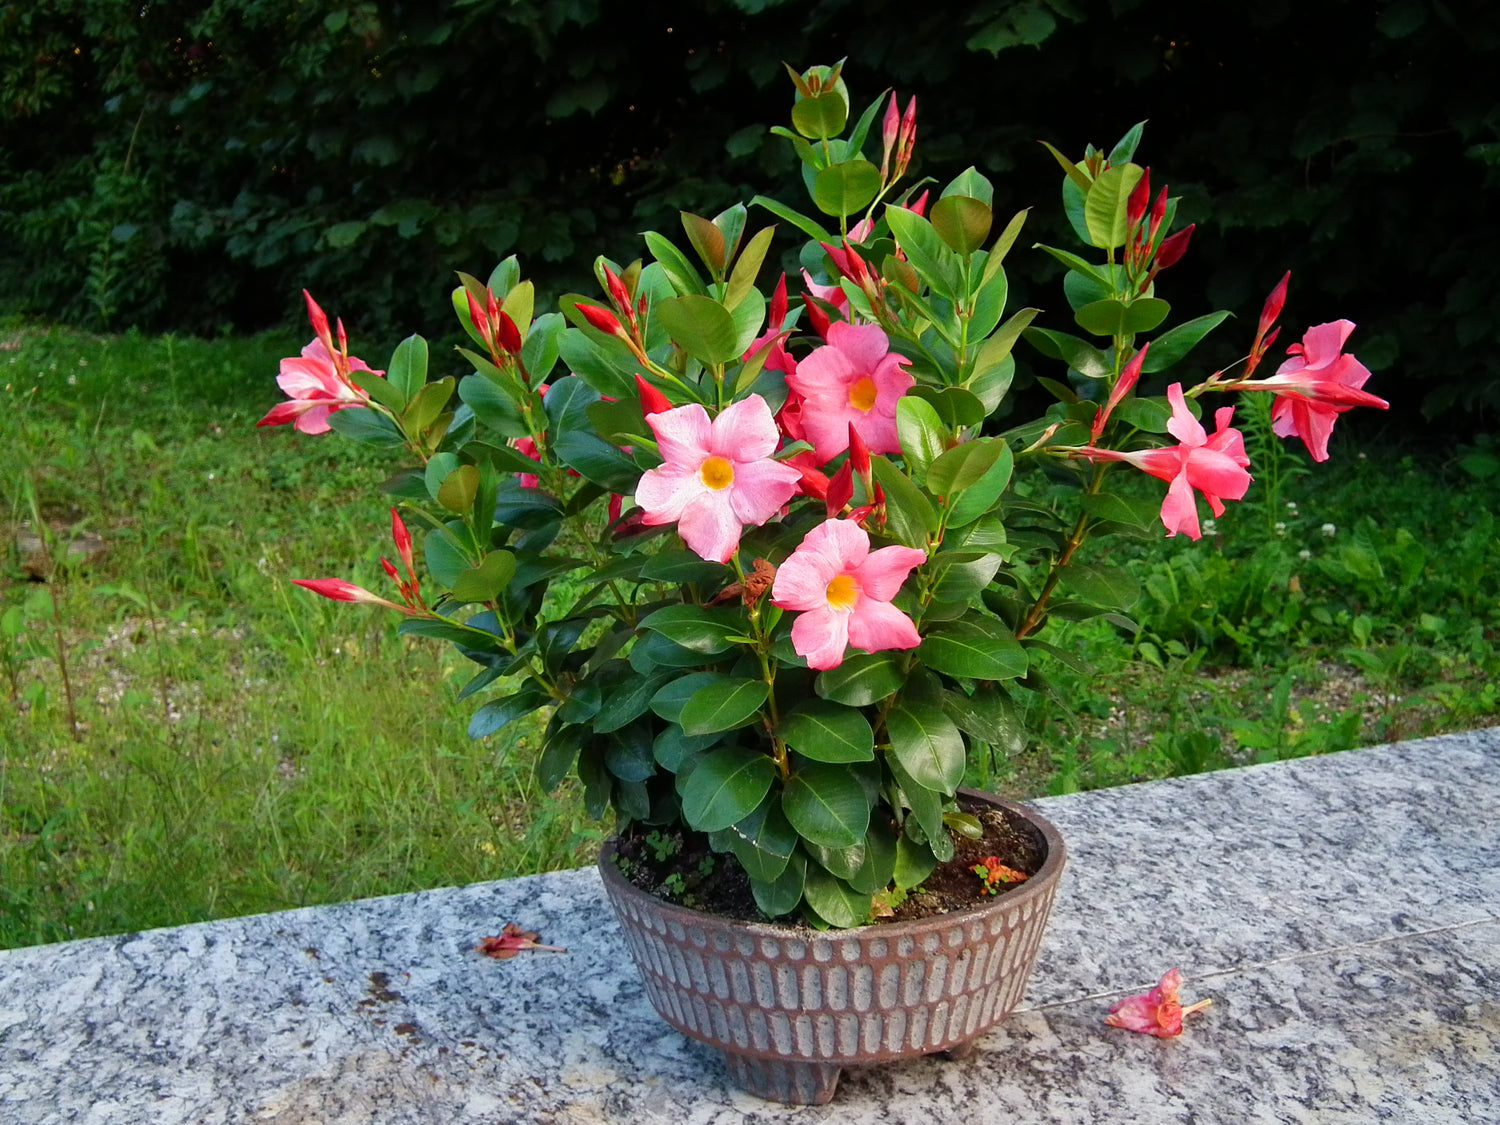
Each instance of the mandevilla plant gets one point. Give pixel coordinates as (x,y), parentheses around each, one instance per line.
(803,585)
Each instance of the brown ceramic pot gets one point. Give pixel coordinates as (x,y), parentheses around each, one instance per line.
(790,1006)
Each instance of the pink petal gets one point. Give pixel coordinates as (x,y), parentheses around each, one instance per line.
(682,435)
(665,491)
(802,583)
(1322,343)
(1183,426)
(760,488)
(1179,510)
(881,575)
(891,382)
(282,413)
(825,373)
(314,420)
(865,345)
(708,525)
(1215,474)
(745,431)
(820,636)
(877,625)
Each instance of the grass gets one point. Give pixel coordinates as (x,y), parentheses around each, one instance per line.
(244,746)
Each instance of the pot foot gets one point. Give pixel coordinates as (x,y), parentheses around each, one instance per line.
(781,1080)
(960,1050)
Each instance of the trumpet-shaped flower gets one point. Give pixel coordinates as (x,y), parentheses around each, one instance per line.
(842,592)
(718,476)
(1157,1012)
(318,382)
(1317,384)
(854,379)
(1215,465)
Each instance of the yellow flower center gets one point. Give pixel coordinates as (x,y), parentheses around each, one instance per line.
(716,473)
(862,393)
(842,592)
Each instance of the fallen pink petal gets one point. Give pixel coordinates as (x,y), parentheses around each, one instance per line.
(1157,1012)
(512,940)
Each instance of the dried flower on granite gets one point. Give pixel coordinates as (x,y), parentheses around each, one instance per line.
(1157,1012)
(511,941)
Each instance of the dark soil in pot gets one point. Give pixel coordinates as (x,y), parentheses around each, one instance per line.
(679,867)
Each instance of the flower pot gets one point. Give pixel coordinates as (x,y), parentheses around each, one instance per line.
(790,1006)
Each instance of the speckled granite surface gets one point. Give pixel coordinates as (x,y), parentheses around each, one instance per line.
(1342,912)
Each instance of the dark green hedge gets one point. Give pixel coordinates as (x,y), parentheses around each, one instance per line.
(179,166)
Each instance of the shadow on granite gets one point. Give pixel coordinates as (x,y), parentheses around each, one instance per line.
(1343,912)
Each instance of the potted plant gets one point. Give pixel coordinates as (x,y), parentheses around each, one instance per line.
(811,560)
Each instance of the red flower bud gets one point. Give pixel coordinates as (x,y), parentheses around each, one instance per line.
(1173,247)
(602,319)
(617,292)
(1272,308)
(859,453)
(778,305)
(888,131)
(509,336)
(920,206)
(1135,207)
(840,490)
(319,321)
(482,323)
(816,316)
(652,400)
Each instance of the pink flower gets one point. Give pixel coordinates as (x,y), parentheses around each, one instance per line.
(718,475)
(1215,465)
(854,379)
(318,382)
(842,591)
(1315,386)
(1157,1012)
(832,294)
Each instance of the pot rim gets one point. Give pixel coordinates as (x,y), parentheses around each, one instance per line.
(1039,884)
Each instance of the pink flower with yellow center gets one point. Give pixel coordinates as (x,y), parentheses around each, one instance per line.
(1214,465)
(842,591)
(854,379)
(718,476)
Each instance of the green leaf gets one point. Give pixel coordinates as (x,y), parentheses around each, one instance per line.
(1106,585)
(682,566)
(1124,149)
(962,574)
(446,560)
(962,223)
(781,895)
(1079,177)
(878,865)
(920,432)
(726,705)
(910,516)
(484,582)
(809,227)
(540,349)
(989,716)
(679,270)
(914,862)
(974,647)
(708,240)
(834,900)
(672,749)
(379,390)
(492,406)
(927,807)
(928,745)
(1175,343)
(1077,265)
(742,280)
(827,805)
(628,701)
(1078,354)
(1104,208)
(928,254)
(426,405)
(828,732)
(956,407)
(458,489)
(1116,318)
(408,368)
(597,460)
(725,787)
(999,346)
(862,679)
(703,327)
(558,754)
(692,626)
(367,427)
(500,713)
(764,841)
(821,116)
(964,465)
(846,188)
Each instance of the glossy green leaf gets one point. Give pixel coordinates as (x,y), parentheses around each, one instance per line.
(962,574)
(692,626)
(862,679)
(367,427)
(821,116)
(964,465)
(1175,343)
(458,489)
(558,754)
(928,254)
(764,841)
(628,701)
(825,804)
(492,406)
(963,223)
(680,272)
(703,327)
(1110,586)
(742,279)
(914,862)
(446,560)
(846,188)
(828,732)
(978,499)
(725,787)
(910,516)
(989,716)
(723,706)
(499,713)
(484,582)
(1116,318)
(956,407)
(1080,355)
(928,745)
(974,647)
(921,432)
(834,900)
(407,372)
(927,808)
(708,240)
(672,697)
(782,894)
(810,227)
(1076,174)
(1104,207)
(597,460)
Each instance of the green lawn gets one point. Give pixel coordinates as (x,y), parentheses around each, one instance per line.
(243,745)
